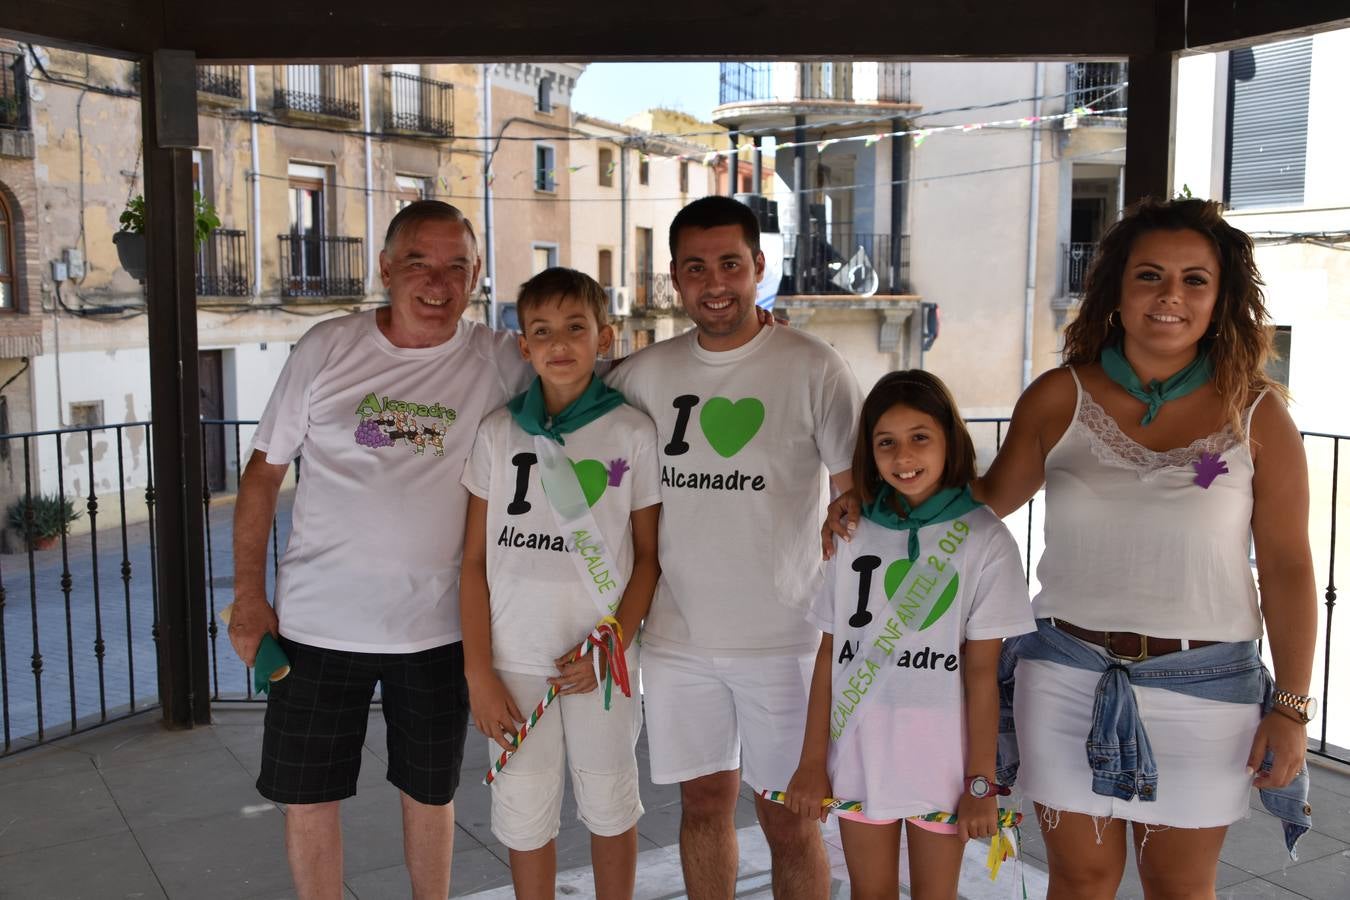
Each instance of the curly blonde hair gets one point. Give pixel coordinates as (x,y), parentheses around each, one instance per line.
(1243,342)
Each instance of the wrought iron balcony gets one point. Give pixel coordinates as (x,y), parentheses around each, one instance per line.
(860,82)
(13,92)
(321,266)
(1098,86)
(321,90)
(841,261)
(221,81)
(654,292)
(222,264)
(1077,261)
(419,104)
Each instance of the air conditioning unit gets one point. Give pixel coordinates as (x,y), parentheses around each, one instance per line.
(620,302)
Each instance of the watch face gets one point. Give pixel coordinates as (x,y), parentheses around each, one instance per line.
(979,787)
(1310,711)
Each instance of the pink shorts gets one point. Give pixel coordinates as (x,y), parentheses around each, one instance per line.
(935,827)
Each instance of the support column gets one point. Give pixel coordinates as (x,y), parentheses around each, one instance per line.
(757,166)
(898,198)
(733,163)
(803,206)
(169,132)
(1149,128)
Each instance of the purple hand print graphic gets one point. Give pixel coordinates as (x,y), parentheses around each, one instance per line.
(616,469)
(1207,468)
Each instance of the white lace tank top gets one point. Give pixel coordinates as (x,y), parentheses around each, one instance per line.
(1134,542)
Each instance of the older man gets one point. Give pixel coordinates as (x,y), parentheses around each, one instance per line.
(383,406)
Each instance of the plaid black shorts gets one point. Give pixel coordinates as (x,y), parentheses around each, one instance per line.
(316,723)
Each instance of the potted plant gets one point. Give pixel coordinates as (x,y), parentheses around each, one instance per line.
(49,514)
(130,238)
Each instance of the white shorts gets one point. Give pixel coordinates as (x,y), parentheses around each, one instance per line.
(714,714)
(1200,746)
(579,734)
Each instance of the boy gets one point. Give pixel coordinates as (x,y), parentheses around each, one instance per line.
(524,602)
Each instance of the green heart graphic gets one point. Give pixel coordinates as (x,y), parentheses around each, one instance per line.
(593,477)
(730,426)
(895,573)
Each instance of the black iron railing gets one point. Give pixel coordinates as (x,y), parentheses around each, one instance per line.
(419,104)
(321,90)
(222,264)
(654,292)
(13,92)
(1098,86)
(841,261)
(745,81)
(1077,261)
(321,266)
(222,81)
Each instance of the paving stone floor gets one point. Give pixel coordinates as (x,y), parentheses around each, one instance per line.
(134,810)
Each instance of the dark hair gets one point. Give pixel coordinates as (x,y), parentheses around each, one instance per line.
(1243,342)
(926,393)
(713,212)
(426,211)
(559,282)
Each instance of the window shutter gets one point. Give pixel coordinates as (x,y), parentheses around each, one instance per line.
(1268,124)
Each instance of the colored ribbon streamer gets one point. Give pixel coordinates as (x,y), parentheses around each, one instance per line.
(605,644)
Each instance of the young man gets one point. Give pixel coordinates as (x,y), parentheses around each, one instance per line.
(750,418)
(383,406)
(533,587)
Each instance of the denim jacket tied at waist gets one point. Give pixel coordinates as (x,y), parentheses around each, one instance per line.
(1118,749)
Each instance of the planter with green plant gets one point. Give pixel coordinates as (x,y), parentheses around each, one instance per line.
(130,238)
(45,518)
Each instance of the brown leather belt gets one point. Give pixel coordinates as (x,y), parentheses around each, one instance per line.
(1127,644)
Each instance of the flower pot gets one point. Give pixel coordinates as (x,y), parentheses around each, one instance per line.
(45,541)
(131,253)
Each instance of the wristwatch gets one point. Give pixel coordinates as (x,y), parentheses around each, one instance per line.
(979,787)
(1301,705)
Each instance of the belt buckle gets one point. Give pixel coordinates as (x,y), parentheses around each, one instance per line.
(1139,657)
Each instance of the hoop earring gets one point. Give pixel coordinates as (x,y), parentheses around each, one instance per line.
(1109,323)
(1214,333)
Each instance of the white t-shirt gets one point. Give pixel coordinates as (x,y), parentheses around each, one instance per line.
(377,532)
(905,756)
(746,439)
(540,609)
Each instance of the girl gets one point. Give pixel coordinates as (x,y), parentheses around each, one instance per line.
(903,714)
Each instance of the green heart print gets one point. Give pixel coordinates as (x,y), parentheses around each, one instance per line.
(730,426)
(896,572)
(593,477)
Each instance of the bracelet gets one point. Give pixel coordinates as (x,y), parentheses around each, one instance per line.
(1290,714)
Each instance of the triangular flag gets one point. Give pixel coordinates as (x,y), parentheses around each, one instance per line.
(826,143)
(871,140)
(709,157)
(919,137)
(609,169)
(576,168)
(445,186)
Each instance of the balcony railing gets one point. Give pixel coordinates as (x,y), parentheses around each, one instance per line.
(79,622)
(221,81)
(1099,86)
(1077,261)
(653,292)
(13,92)
(321,266)
(839,261)
(419,104)
(863,82)
(222,264)
(320,90)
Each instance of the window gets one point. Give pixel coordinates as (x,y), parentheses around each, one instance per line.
(411,188)
(643,172)
(545,257)
(1278,366)
(684,177)
(87,414)
(1268,124)
(544,101)
(543,169)
(605,268)
(606,166)
(306,208)
(6,257)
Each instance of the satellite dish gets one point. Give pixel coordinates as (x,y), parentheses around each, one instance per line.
(858,275)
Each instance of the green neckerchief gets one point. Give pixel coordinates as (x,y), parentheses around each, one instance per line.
(1118,369)
(945,505)
(530,414)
